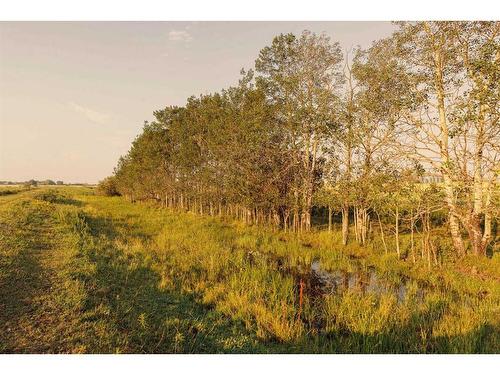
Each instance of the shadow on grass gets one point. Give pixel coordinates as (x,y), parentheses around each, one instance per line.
(117,227)
(415,336)
(22,283)
(54,196)
(136,315)
(22,277)
(143,318)
(148,319)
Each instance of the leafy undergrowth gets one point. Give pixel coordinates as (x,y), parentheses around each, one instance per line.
(82,273)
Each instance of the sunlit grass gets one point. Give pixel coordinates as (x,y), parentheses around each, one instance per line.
(137,278)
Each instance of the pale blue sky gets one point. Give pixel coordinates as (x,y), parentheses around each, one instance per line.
(75,94)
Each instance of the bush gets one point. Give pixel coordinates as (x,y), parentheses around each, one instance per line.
(8,192)
(29,184)
(107,187)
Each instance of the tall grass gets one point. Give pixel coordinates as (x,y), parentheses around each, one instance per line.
(136,278)
(250,274)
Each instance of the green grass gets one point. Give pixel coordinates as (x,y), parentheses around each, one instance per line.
(8,191)
(81,273)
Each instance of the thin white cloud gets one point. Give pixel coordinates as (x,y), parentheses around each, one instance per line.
(179,36)
(90,114)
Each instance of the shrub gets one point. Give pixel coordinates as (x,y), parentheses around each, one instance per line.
(107,187)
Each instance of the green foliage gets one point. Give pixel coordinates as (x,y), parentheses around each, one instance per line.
(107,187)
(303,135)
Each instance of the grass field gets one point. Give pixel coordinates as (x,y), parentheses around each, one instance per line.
(81,273)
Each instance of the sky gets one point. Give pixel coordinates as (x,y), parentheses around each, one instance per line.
(74,95)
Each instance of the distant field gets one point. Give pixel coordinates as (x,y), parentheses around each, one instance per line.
(81,273)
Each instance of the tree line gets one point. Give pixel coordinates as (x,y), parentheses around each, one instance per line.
(33,182)
(313,128)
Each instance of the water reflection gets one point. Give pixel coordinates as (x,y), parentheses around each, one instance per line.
(365,281)
(319,282)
